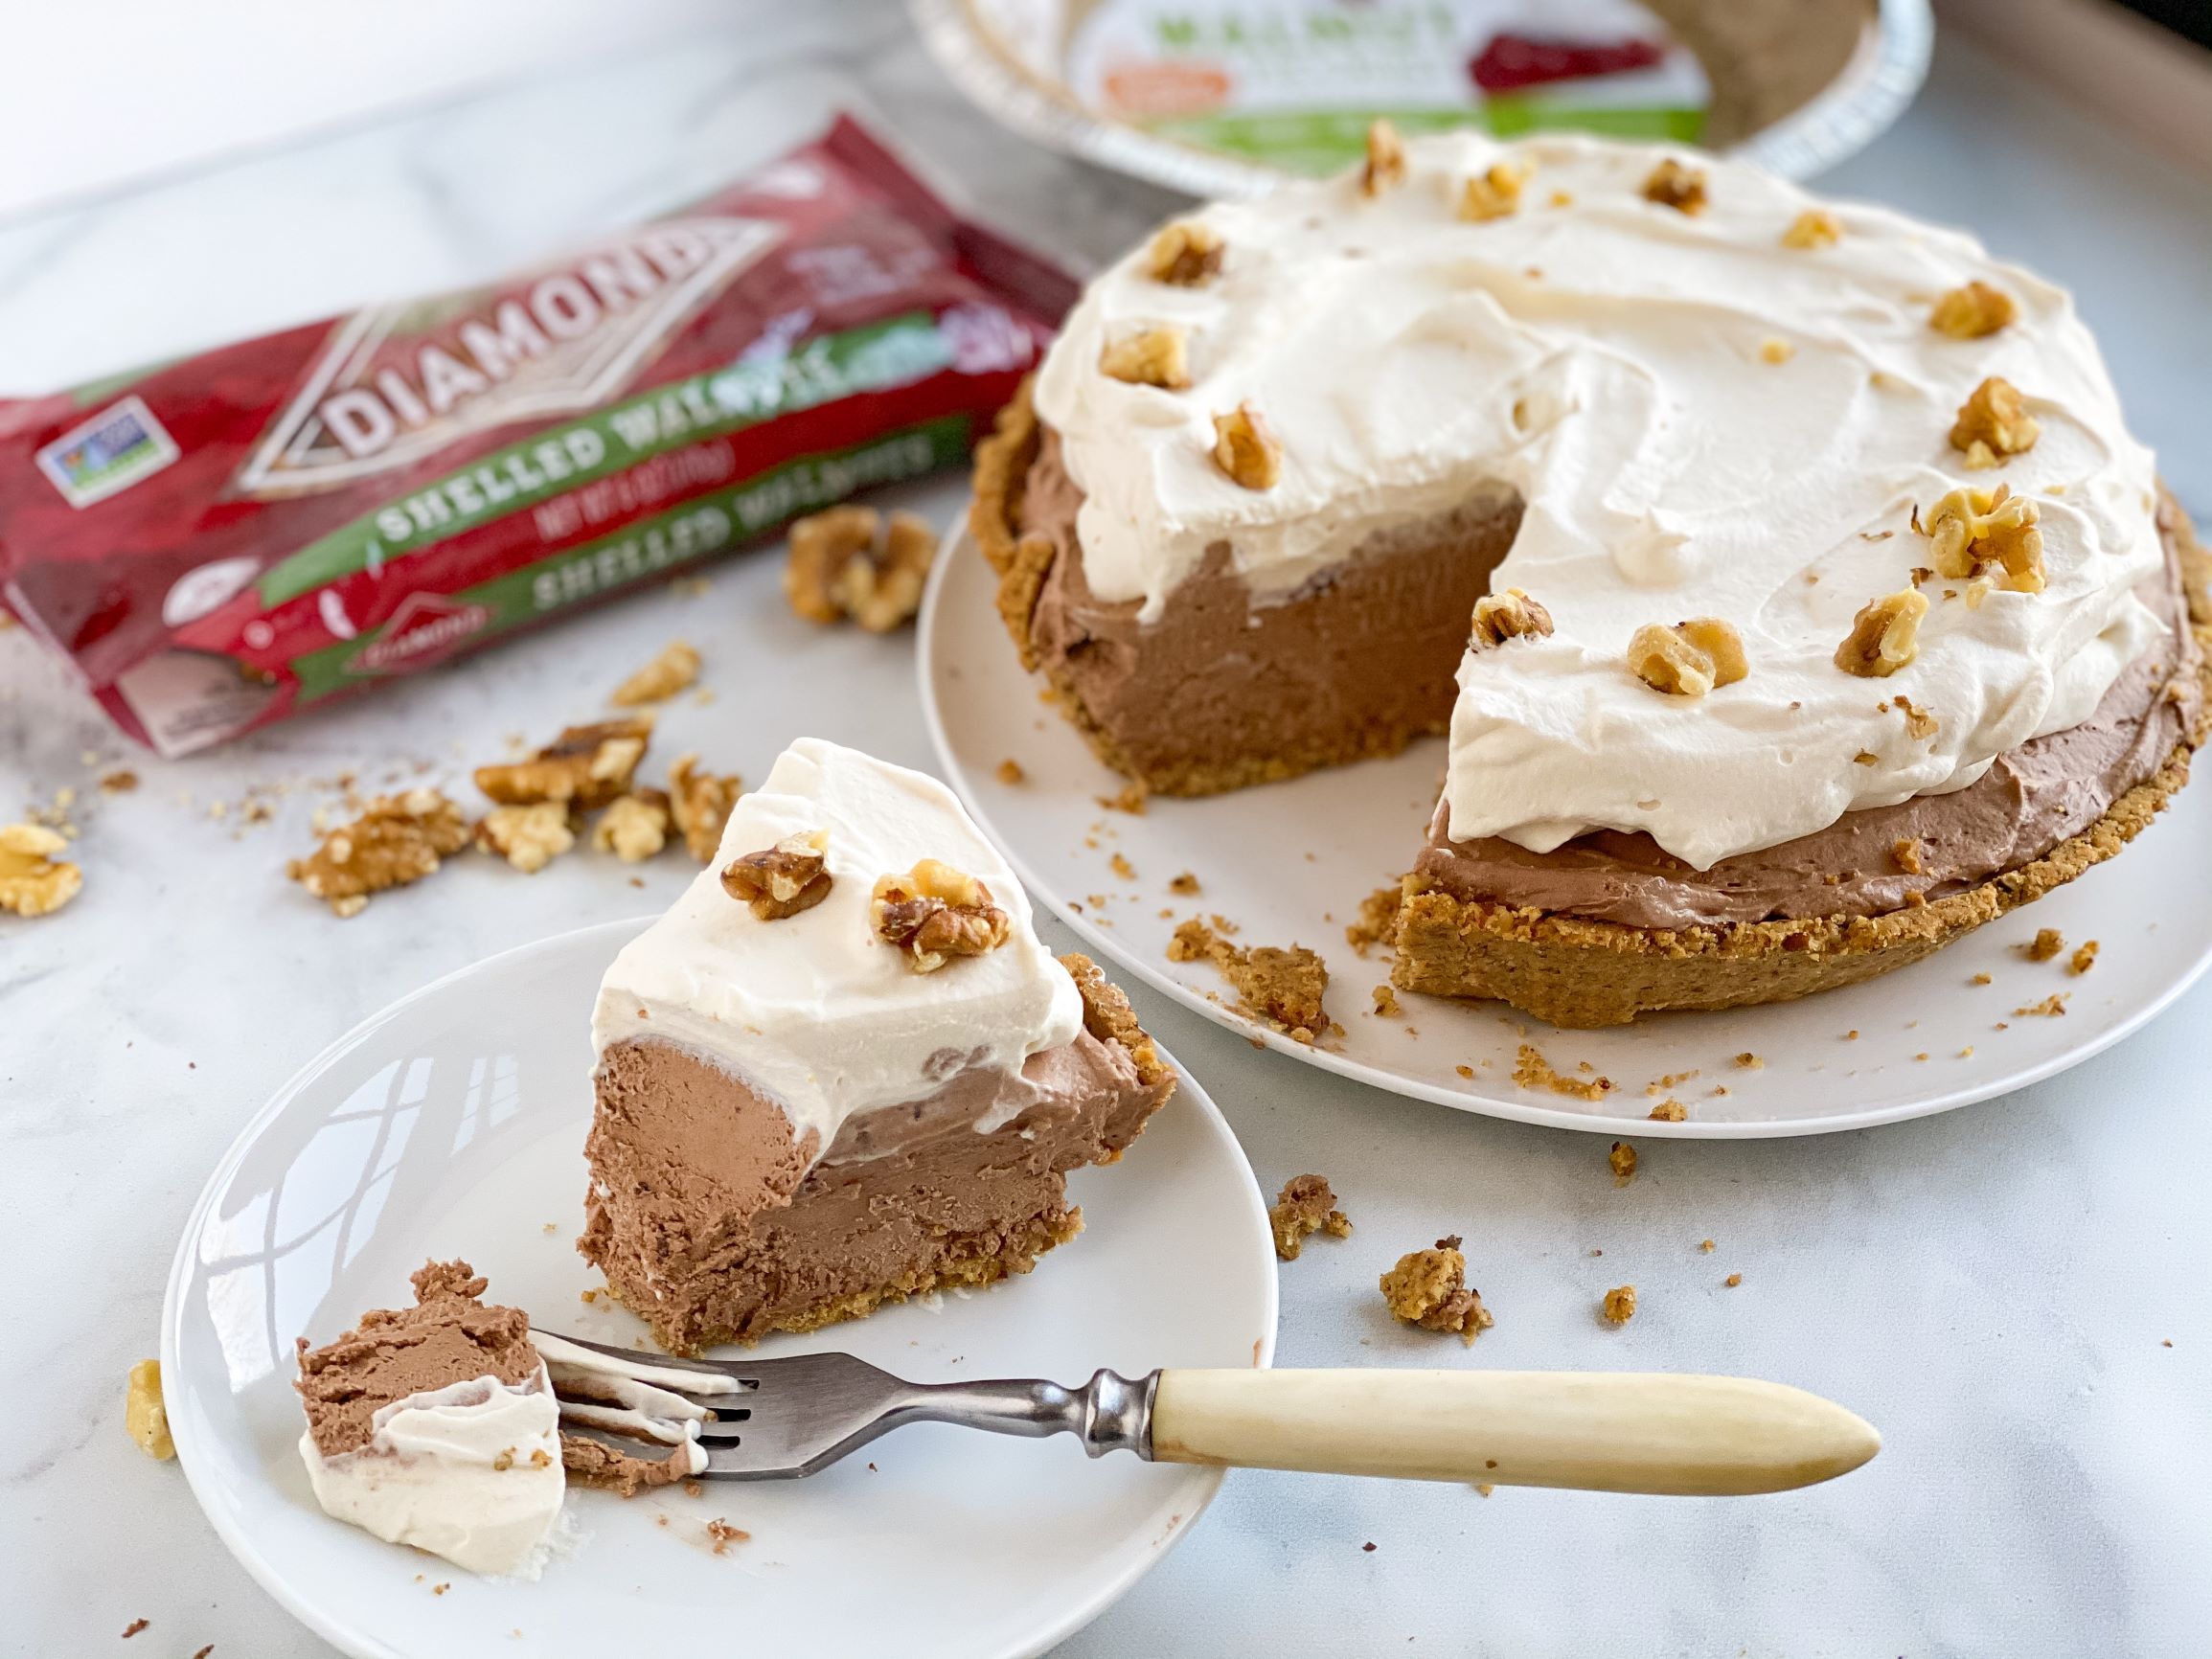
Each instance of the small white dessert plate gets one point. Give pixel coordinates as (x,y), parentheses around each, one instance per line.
(452,1124)
(1289,863)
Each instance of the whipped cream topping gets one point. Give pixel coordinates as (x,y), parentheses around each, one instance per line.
(622,1397)
(813,1010)
(1700,421)
(471,1471)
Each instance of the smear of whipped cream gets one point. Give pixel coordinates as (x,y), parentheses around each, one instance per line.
(1612,359)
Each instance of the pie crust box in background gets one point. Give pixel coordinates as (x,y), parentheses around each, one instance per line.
(222,541)
(1223,97)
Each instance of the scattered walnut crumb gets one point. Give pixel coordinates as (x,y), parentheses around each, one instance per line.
(1672,185)
(1156,356)
(120,781)
(1970,313)
(1532,1071)
(1130,799)
(1511,615)
(1668,1111)
(1918,721)
(1493,194)
(700,803)
(1974,532)
(1622,1161)
(1284,988)
(1305,1206)
(1689,659)
(528,837)
(1429,1288)
(135,1627)
(1483,1488)
(1993,423)
(144,1417)
(1884,636)
(1904,851)
(1813,228)
(441,1589)
(33,881)
(1979,979)
(1619,1305)
(1464,1070)
(1749,1063)
(782,881)
(1010,772)
(2084,959)
(1244,449)
(1186,884)
(634,827)
(2047,942)
(1851,1036)
(1378,919)
(396,840)
(1773,349)
(1185,254)
(934,913)
(1672,1080)
(1733,1279)
(1386,1002)
(2052,1006)
(722,1536)
(1386,165)
(1966,1053)
(672,671)
(1707,1245)
(1121,866)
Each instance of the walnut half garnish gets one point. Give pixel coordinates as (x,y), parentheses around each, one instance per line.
(1511,615)
(1813,228)
(1158,356)
(1972,530)
(1970,313)
(934,913)
(33,881)
(398,839)
(1386,165)
(585,767)
(1689,659)
(1676,186)
(700,802)
(1245,450)
(1885,635)
(1493,194)
(1992,423)
(1186,254)
(784,880)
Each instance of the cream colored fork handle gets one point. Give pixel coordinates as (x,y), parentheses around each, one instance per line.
(1600,1431)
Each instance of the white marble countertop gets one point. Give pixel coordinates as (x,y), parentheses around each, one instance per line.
(1996,1289)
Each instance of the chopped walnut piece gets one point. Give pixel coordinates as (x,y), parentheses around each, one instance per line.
(2046,945)
(1619,1306)
(2084,959)
(1689,659)
(1246,450)
(934,913)
(1156,356)
(1386,165)
(585,767)
(1904,851)
(700,803)
(1511,615)
(1185,885)
(674,670)
(1622,1161)
(1386,1003)
(1918,721)
(1970,531)
(822,544)
(1970,313)
(1429,1288)
(1305,1206)
(1813,228)
(1493,194)
(851,562)
(2052,1006)
(1283,986)
(634,827)
(144,1417)
(784,880)
(1994,417)
(528,837)
(1885,636)
(1668,1111)
(1010,772)
(33,881)
(1185,254)
(1672,185)
(397,839)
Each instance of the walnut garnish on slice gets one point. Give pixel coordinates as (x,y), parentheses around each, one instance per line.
(1429,1288)
(584,768)
(1672,185)
(934,913)
(1305,1205)
(1689,659)
(1813,228)
(784,880)
(1185,254)
(1993,423)
(701,802)
(1156,356)
(33,881)
(1885,635)
(1493,194)
(1386,165)
(1511,615)
(1971,530)
(674,670)
(1246,450)
(1970,313)
(634,828)
(396,840)
(528,837)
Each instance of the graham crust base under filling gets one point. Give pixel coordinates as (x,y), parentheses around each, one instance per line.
(711,1223)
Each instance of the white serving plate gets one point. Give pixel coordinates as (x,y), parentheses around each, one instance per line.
(452,1124)
(1289,863)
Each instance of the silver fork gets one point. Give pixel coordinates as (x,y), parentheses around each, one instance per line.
(753,1419)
